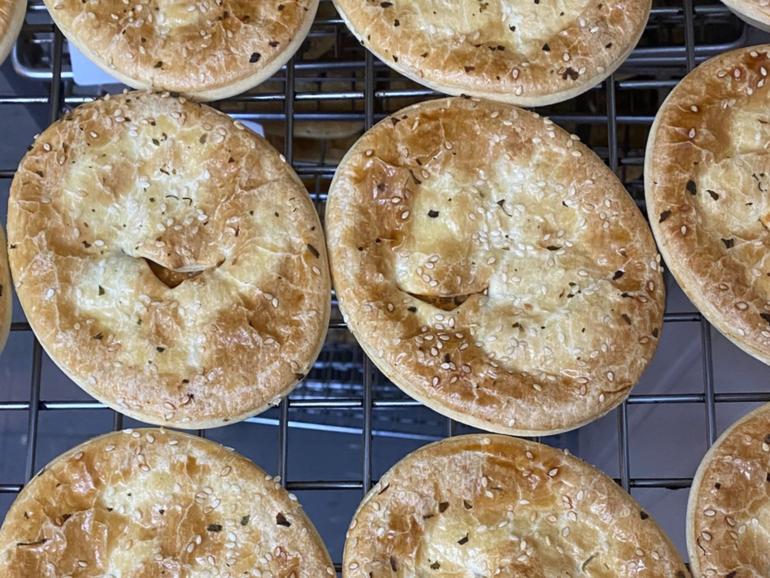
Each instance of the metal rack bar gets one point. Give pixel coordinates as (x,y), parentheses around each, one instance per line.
(367,88)
(343,403)
(366,442)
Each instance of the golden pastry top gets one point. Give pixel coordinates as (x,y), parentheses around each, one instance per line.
(493,267)
(498,506)
(530,53)
(156,503)
(169,260)
(707,173)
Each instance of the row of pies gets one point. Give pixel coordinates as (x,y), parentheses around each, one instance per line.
(154,503)
(173,265)
(526,53)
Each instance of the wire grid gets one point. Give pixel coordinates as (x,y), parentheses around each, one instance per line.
(371,94)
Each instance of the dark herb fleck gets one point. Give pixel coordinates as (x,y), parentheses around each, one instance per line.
(281,520)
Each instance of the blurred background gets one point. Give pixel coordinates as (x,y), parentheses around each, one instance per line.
(346,424)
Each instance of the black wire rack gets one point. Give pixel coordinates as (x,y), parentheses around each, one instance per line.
(341,83)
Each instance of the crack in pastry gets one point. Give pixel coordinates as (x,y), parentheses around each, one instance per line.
(473,506)
(152,502)
(529,53)
(168,260)
(728,513)
(707,173)
(208,49)
(493,267)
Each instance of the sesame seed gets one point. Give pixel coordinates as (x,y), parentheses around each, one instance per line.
(553,472)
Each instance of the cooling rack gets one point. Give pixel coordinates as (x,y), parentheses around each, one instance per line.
(336,89)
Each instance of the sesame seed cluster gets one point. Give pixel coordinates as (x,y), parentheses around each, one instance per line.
(169,261)
(493,267)
(528,53)
(501,506)
(152,502)
(728,512)
(707,174)
(206,49)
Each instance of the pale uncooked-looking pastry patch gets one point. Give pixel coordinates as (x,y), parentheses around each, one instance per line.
(524,52)
(157,503)
(493,267)
(479,505)
(707,175)
(169,260)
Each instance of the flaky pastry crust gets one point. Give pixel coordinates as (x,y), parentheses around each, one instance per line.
(168,260)
(755,12)
(526,53)
(493,505)
(728,513)
(153,503)
(11,19)
(493,267)
(6,302)
(208,49)
(707,173)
